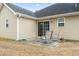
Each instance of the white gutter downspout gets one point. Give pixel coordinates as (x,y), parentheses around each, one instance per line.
(18,35)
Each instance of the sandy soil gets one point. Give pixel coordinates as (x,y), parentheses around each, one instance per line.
(13,48)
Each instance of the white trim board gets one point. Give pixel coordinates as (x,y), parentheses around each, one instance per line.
(10,9)
(18,28)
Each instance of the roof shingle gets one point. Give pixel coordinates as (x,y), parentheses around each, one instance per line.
(55,9)
(59,8)
(20,10)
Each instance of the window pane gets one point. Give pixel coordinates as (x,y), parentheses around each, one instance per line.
(43,27)
(60,19)
(46,25)
(61,24)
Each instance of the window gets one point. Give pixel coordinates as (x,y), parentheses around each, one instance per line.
(60,22)
(43,27)
(46,26)
(7,24)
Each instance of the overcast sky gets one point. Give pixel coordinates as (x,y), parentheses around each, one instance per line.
(33,6)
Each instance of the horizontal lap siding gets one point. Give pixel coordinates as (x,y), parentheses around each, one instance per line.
(11,31)
(70,29)
(28,28)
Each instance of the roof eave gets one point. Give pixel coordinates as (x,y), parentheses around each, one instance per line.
(59,15)
(41,18)
(17,13)
(10,9)
(26,16)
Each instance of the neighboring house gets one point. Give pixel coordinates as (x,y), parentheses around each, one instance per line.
(18,23)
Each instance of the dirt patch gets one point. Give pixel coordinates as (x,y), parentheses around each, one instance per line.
(8,47)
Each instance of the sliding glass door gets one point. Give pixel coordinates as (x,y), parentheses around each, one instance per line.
(42,28)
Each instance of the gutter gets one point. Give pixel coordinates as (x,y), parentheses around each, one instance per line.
(26,16)
(59,15)
(42,18)
(48,17)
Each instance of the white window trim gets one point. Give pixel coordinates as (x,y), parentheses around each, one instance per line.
(60,22)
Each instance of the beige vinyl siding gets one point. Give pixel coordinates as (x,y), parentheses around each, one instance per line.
(28,28)
(70,29)
(11,31)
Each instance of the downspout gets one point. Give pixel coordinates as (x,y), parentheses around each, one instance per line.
(18,17)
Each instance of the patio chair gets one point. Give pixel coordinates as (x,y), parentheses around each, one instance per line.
(50,35)
(47,37)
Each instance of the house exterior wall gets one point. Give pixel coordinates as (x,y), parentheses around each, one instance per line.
(27,29)
(11,31)
(70,29)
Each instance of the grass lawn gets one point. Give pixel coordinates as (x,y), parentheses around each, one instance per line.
(9,47)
